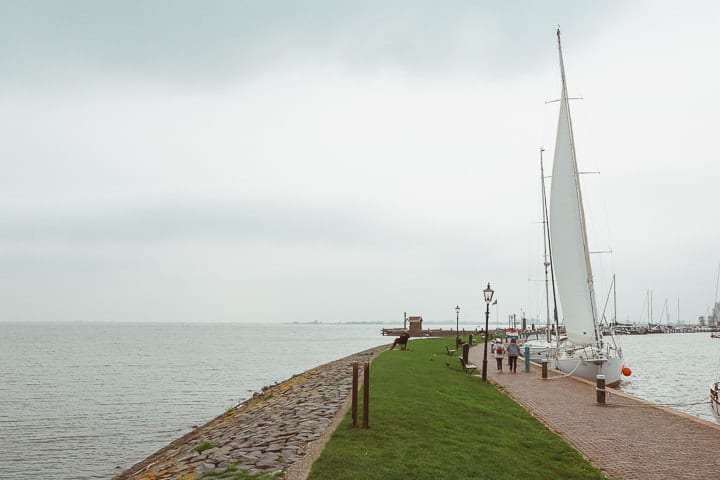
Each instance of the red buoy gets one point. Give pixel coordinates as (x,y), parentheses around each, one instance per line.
(626,371)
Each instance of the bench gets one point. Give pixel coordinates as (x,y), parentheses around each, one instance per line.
(467,367)
(402,340)
(449,350)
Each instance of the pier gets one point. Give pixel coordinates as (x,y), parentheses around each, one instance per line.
(433,332)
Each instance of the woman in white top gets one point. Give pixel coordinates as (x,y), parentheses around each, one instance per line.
(499,352)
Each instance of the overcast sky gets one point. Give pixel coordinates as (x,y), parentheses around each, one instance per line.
(347,161)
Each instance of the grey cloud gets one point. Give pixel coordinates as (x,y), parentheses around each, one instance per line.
(183,41)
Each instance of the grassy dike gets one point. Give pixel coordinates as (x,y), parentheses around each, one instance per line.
(429,420)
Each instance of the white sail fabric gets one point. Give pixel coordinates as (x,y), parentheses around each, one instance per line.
(567,235)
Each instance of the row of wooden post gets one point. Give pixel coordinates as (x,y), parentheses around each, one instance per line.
(366,395)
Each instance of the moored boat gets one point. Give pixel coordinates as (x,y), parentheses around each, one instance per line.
(715,400)
(538,346)
(587,353)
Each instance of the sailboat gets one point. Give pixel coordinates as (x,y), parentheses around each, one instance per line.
(586,353)
(715,386)
(714,318)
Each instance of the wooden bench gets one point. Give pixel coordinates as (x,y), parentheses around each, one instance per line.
(402,340)
(449,350)
(467,367)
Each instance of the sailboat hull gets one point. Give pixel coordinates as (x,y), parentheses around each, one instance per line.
(589,368)
(715,400)
(538,351)
(539,348)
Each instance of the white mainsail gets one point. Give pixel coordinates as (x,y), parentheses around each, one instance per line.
(567,230)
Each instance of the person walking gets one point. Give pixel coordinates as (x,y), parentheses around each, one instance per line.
(513,353)
(499,352)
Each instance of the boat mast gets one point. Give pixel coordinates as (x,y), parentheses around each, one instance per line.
(652,317)
(614,287)
(581,211)
(717,283)
(546,261)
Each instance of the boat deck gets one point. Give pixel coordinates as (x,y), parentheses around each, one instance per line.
(627,437)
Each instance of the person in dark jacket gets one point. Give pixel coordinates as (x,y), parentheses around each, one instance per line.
(513,352)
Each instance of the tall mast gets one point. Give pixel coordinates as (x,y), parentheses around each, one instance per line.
(652,316)
(546,260)
(614,300)
(581,210)
(717,283)
(549,259)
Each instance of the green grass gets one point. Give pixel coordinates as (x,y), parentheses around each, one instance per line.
(232,472)
(206,445)
(429,420)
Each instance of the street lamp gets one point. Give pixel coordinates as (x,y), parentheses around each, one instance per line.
(488,298)
(457,325)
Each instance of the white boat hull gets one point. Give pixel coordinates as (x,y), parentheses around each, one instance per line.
(590,368)
(540,348)
(538,351)
(715,400)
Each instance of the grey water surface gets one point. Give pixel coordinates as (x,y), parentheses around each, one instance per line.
(673,369)
(88,400)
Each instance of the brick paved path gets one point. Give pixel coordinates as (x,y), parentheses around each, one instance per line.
(627,438)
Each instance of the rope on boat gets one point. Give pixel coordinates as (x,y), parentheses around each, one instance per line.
(704,401)
(691,404)
(558,377)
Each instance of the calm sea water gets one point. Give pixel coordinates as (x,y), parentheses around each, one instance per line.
(88,400)
(673,369)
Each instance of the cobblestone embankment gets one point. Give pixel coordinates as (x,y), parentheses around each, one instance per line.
(276,431)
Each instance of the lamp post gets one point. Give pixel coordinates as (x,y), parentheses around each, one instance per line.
(488,292)
(457,325)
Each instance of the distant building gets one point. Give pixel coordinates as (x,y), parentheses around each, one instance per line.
(415,324)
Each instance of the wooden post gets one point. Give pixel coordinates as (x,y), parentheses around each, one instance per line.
(366,396)
(600,388)
(527,359)
(544,369)
(355,394)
